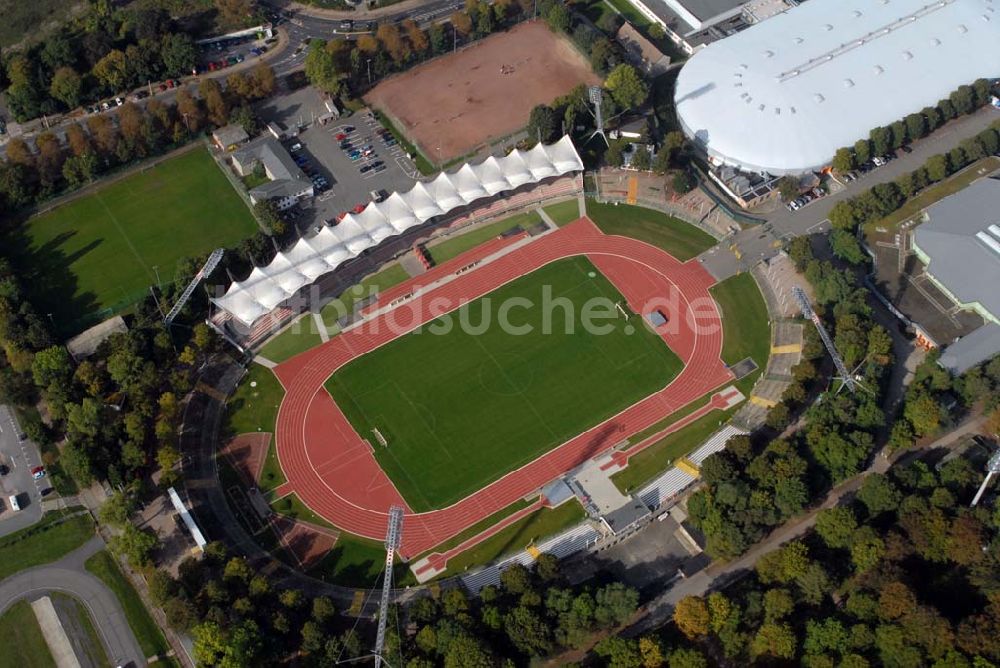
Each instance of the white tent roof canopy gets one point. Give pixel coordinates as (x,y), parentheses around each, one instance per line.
(266,287)
(783,95)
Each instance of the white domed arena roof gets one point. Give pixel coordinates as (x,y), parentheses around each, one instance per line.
(783,95)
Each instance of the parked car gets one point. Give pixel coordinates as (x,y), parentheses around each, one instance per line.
(340,136)
(105,105)
(38,473)
(346,25)
(295,147)
(119,101)
(366,168)
(14,505)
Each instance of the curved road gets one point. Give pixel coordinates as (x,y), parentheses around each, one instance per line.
(68,575)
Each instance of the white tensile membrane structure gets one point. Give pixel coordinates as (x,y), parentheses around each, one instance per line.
(267,287)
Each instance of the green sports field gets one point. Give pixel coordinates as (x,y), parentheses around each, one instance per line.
(95,256)
(459,409)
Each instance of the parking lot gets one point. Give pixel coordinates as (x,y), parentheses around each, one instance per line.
(348,162)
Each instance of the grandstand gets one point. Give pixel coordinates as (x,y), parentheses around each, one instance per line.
(268,287)
(347,274)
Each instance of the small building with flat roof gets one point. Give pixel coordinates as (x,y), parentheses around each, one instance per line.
(230,137)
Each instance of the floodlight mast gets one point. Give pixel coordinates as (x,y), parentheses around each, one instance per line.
(596,97)
(393,539)
(807,312)
(210,264)
(992,468)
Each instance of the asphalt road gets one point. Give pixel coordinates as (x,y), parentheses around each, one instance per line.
(20,457)
(760,242)
(302,27)
(68,575)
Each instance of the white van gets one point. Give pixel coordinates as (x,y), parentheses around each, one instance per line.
(14,505)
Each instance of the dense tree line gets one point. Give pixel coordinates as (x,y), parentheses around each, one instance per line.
(882,199)
(883,140)
(903,575)
(936,400)
(751,487)
(116,413)
(105,142)
(238,616)
(340,66)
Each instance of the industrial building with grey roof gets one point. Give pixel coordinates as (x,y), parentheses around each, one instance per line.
(959,245)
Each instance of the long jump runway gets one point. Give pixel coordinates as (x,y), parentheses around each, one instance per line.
(334,471)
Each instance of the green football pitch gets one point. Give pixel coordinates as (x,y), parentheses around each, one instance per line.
(95,256)
(460,409)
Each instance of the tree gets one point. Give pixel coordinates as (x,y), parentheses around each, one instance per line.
(215,102)
(862,151)
(558,18)
(640,158)
(616,603)
(836,526)
(937,168)
(245,117)
(542,123)
(52,366)
(627,88)
(461,23)
(620,652)
(682,182)
(393,43)
(234,13)
(924,413)
(846,246)
(687,658)
(528,631)
(65,87)
(116,510)
(321,67)
(651,652)
(419,41)
(134,544)
(111,70)
(777,640)
(178,53)
(691,616)
(843,160)
(788,188)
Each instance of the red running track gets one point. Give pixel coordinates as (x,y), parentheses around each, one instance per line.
(334,471)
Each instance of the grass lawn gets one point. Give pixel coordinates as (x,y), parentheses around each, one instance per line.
(747,333)
(536,526)
(254,407)
(44,542)
(949,186)
(146,631)
(746,330)
(95,256)
(300,336)
(22,640)
(563,212)
(460,243)
(479,527)
(460,410)
(678,238)
(292,506)
(79,620)
(392,275)
(655,459)
(357,562)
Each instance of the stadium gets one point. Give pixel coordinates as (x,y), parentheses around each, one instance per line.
(783,95)
(468,426)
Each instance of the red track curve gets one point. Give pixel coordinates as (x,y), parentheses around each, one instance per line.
(334,471)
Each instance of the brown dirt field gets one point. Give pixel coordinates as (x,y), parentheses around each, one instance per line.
(247,453)
(309,544)
(454,104)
